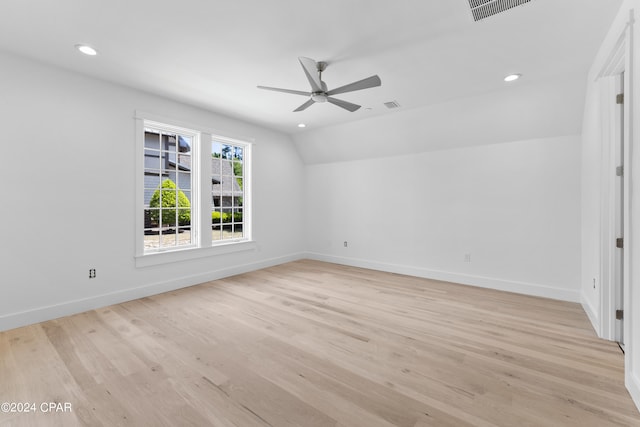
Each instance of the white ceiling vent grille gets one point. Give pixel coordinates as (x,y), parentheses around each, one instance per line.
(482,9)
(392,104)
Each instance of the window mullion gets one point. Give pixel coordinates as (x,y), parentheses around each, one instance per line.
(204,189)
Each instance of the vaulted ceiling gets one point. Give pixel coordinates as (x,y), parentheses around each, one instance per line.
(445,70)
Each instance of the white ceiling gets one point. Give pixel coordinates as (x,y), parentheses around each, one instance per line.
(213,53)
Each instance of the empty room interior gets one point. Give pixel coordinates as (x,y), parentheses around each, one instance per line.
(296,213)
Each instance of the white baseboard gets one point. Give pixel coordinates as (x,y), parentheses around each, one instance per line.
(632,382)
(41,314)
(531,289)
(591,314)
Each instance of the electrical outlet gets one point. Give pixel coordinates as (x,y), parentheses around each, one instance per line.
(92,273)
(467,257)
(594,283)
(345,243)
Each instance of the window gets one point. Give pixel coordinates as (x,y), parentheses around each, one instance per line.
(168,181)
(227,190)
(193,191)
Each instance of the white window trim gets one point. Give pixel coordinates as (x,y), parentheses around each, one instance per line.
(202,245)
(186,254)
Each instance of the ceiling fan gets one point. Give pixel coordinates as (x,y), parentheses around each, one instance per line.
(319,93)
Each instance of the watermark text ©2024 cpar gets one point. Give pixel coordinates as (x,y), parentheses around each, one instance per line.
(33,407)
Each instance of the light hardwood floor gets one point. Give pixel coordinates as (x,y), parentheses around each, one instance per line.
(314,344)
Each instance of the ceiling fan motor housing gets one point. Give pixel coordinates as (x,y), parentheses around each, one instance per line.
(319,96)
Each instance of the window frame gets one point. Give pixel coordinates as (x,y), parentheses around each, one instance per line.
(246,185)
(193,186)
(202,244)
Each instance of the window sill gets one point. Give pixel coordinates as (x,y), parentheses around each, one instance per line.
(193,253)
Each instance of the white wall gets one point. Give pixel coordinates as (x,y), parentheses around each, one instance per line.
(68,195)
(594,132)
(514,207)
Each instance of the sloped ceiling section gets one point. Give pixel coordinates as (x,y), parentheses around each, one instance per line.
(534,110)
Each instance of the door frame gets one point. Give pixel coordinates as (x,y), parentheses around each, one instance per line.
(617,63)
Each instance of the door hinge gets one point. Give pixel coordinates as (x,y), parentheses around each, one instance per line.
(620,243)
(620,98)
(619,314)
(619,170)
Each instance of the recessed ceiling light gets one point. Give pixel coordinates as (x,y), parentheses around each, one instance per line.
(302,125)
(87,50)
(512,77)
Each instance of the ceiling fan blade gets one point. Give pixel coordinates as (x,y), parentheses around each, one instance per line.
(277,89)
(311,71)
(344,104)
(305,105)
(372,81)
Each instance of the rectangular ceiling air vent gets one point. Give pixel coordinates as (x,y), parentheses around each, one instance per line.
(392,104)
(481,9)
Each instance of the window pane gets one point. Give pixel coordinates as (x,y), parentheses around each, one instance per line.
(216,148)
(237,215)
(165,161)
(169,160)
(184,217)
(151,139)
(184,162)
(151,239)
(184,236)
(151,218)
(188,196)
(148,197)
(227,218)
(216,222)
(184,144)
(226,151)
(227,168)
(237,169)
(168,238)
(151,159)
(167,217)
(184,181)
(238,153)
(152,178)
(169,142)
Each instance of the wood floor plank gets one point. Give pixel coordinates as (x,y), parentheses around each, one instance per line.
(315,344)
